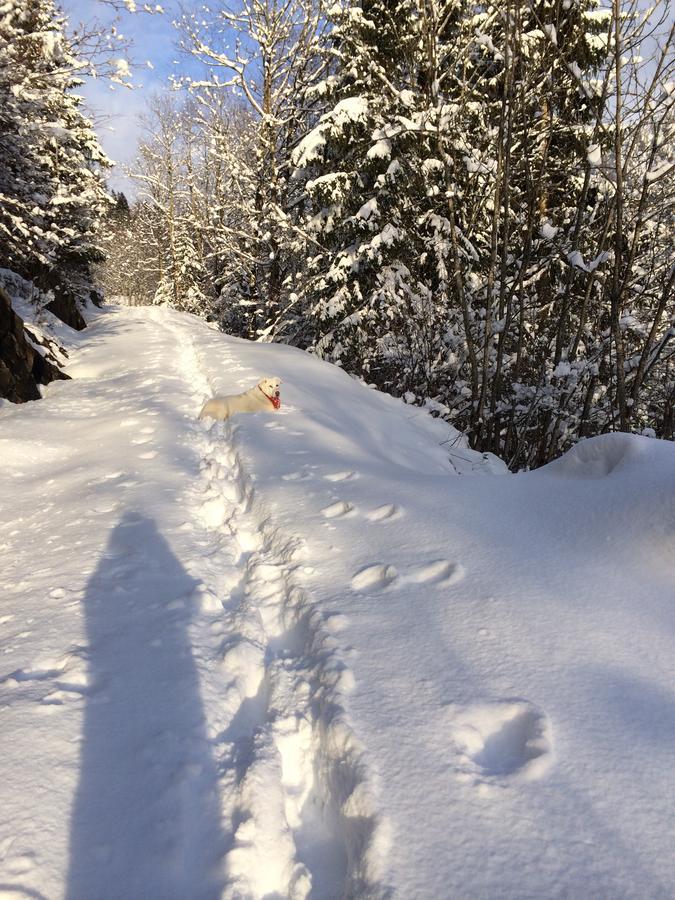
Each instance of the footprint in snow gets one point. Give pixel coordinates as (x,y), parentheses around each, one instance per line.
(336,622)
(71,664)
(337,510)
(341,476)
(297,476)
(39,673)
(386,513)
(20,864)
(441,573)
(508,739)
(150,454)
(375,577)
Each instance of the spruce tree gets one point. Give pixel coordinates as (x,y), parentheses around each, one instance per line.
(363,185)
(51,192)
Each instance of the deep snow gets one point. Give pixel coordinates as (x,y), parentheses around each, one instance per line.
(329,651)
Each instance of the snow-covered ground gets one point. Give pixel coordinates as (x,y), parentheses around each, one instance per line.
(328,652)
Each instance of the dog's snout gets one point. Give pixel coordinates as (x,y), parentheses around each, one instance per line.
(276,393)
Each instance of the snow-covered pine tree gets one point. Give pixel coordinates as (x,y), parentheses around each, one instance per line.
(528,127)
(51,192)
(193,289)
(460,145)
(368,306)
(115,276)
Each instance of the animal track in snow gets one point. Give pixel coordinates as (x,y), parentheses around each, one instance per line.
(375,577)
(279,764)
(336,622)
(441,572)
(386,513)
(41,672)
(297,476)
(337,510)
(71,666)
(504,739)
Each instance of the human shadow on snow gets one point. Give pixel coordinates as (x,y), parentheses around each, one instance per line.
(145,820)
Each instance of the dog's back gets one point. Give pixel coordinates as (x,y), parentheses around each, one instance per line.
(216,408)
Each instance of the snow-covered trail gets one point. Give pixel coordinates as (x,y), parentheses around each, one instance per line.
(296,655)
(197,690)
(291,759)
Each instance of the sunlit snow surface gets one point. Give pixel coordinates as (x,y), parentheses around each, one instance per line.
(324,652)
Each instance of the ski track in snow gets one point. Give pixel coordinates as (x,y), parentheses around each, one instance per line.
(296,794)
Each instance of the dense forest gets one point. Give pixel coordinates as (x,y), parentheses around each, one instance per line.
(469,205)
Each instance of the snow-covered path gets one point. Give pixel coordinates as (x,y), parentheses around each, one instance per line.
(297,655)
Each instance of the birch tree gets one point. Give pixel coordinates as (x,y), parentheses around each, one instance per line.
(267,68)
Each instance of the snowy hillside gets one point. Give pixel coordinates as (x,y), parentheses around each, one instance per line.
(326,652)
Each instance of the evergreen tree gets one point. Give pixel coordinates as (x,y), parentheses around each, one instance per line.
(51,192)
(360,167)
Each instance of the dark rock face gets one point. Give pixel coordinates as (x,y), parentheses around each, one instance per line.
(46,365)
(22,368)
(65,308)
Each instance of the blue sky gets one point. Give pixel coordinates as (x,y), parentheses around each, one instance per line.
(116,109)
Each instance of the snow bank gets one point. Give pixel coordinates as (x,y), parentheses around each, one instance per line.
(609,454)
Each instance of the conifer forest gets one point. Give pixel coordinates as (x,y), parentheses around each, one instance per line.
(467,205)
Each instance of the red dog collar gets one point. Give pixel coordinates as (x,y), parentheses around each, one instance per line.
(275,401)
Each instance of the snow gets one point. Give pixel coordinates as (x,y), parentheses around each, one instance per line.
(594,155)
(548,231)
(576,259)
(299,655)
(381,149)
(352,109)
(368,209)
(659,172)
(122,69)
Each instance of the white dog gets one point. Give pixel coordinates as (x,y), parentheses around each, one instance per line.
(264,397)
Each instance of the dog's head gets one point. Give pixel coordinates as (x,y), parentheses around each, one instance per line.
(270,386)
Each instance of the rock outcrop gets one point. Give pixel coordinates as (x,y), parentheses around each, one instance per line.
(66,309)
(22,367)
